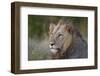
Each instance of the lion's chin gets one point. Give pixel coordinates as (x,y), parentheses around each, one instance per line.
(54,51)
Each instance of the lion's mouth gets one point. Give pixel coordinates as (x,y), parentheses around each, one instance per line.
(54,50)
(58,49)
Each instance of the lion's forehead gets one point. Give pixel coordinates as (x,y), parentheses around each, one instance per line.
(58,29)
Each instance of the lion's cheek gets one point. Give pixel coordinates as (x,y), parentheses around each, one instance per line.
(67,43)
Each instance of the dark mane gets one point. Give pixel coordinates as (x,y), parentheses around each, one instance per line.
(69,24)
(78,47)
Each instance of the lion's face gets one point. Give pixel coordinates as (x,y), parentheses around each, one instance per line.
(59,37)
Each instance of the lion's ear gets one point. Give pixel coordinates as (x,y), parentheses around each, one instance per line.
(70,29)
(61,22)
(52,26)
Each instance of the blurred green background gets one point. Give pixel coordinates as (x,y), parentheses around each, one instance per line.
(38,33)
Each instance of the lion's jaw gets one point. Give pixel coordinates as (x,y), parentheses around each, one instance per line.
(53,48)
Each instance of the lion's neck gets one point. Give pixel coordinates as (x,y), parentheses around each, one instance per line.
(77,49)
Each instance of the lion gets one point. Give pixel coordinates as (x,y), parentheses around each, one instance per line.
(66,41)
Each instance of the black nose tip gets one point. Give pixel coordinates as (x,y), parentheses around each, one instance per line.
(52,44)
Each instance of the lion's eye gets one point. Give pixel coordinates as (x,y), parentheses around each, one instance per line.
(59,35)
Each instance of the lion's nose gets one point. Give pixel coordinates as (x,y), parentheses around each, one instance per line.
(51,43)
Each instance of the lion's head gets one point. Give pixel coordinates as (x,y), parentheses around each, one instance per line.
(60,37)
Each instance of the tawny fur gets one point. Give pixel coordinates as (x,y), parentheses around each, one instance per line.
(71,45)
